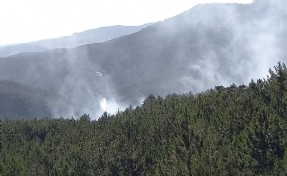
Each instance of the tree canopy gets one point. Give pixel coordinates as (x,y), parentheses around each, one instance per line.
(235,130)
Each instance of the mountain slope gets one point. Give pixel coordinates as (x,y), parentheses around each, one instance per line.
(208,45)
(97,35)
(18,101)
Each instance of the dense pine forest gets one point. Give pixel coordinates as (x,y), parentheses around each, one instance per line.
(235,130)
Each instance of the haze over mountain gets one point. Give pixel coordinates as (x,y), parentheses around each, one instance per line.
(212,44)
(19,100)
(97,35)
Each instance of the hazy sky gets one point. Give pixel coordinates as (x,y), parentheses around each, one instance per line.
(29,20)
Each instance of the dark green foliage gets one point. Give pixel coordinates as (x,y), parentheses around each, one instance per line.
(235,130)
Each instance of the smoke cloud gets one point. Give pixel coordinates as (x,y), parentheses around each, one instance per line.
(209,45)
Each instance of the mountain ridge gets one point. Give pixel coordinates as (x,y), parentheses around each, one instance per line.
(96,35)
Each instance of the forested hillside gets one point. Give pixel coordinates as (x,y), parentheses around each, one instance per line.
(235,130)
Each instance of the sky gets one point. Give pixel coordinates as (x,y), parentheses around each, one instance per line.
(31,20)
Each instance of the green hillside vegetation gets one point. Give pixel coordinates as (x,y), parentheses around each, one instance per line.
(235,130)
